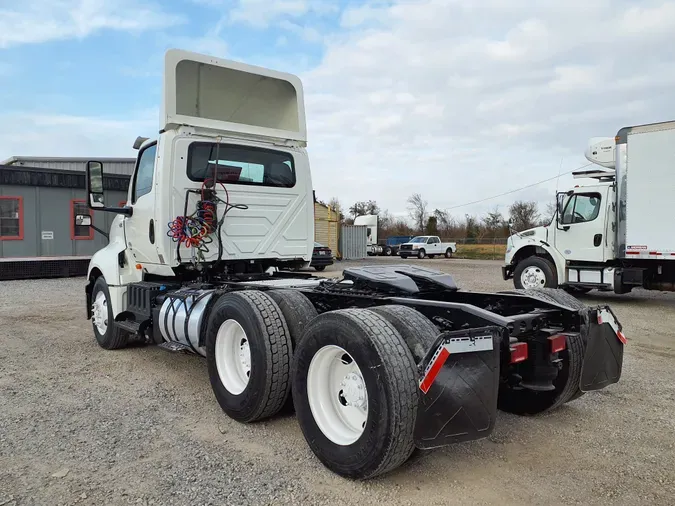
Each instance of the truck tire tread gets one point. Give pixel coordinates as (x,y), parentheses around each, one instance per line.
(114,338)
(417,330)
(365,332)
(297,310)
(265,316)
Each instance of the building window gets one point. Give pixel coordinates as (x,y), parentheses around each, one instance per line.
(80,232)
(11,218)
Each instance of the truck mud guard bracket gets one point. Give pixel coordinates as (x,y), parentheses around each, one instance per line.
(459,385)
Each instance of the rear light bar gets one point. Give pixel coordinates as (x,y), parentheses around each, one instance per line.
(558,343)
(518,352)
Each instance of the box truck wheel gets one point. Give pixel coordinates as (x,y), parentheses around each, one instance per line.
(248,355)
(107,335)
(535,272)
(355,393)
(388,251)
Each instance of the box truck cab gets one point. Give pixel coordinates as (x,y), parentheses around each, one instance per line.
(612,233)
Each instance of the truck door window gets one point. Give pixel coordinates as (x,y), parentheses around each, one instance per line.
(581,208)
(145,172)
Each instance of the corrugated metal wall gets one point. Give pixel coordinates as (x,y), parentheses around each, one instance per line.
(353,242)
(326,227)
(47,227)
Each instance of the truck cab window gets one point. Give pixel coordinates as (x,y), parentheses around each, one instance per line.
(240,165)
(145,172)
(581,208)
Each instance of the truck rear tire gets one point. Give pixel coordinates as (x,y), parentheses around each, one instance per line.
(529,402)
(248,355)
(358,419)
(107,335)
(535,272)
(416,329)
(448,253)
(566,299)
(387,251)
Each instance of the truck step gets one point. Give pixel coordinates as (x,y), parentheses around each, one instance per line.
(128,326)
(175,347)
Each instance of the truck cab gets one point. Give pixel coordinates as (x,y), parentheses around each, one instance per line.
(225,187)
(571,250)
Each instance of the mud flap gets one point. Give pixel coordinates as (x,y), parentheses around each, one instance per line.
(459,385)
(603,359)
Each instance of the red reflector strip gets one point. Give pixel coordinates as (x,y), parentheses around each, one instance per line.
(654,253)
(518,353)
(621,337)
(433,371)
(632,252)
(558,343)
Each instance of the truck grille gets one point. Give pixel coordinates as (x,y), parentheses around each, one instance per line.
(406,246)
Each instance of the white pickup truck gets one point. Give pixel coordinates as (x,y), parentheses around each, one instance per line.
(427,245)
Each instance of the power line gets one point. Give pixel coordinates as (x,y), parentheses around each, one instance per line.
(517,189)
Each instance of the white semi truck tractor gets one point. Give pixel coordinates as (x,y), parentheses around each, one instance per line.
(378,363)
(614,233)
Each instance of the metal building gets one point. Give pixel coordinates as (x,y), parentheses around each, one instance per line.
(39,199)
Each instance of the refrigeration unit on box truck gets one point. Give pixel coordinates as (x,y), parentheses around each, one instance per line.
(615,233)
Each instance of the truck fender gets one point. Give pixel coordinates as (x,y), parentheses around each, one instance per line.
(105,262)
(540,249)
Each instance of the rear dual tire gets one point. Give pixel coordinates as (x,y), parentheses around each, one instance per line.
(528,402)
(357,418)
(248,355)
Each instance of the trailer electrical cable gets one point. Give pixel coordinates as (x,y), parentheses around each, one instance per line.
(195,230)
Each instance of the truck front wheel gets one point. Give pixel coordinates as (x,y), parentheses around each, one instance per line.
(421,254)
(355,393)
(535,272)
(107,335)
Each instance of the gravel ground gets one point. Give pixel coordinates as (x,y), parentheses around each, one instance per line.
(80,425)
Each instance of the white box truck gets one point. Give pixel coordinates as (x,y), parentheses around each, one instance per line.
(377,363)
(614,234)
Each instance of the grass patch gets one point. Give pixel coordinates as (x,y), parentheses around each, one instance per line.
(481,251)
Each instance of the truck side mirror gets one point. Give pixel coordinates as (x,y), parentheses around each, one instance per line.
(95,184)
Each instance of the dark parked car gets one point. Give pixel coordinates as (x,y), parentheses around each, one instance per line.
(321,257)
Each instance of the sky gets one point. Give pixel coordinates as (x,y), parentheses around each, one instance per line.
(456,100)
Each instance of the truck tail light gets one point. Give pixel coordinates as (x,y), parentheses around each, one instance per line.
(558,343)
(518,352)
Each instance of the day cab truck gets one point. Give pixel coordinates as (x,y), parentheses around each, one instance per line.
(424,246)
(379,363)
(614,233)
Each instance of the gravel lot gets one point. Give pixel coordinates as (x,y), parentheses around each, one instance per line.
(80,425)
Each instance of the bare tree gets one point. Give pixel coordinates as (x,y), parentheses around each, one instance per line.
(364,207)
(334,203)
(524,215)
(548,215)
(417,208)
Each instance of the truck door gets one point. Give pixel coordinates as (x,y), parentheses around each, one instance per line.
(580,233)
(141,229)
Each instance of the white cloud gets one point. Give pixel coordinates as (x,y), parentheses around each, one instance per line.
(262,13)
(36,21)
(44,134)
(464,100)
